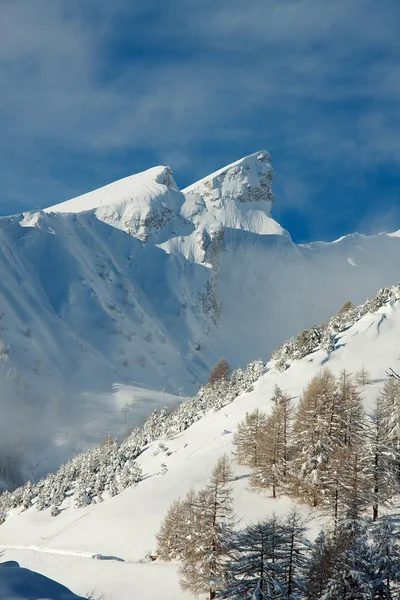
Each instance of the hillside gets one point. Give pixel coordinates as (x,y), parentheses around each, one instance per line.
(112,296)
(124,527)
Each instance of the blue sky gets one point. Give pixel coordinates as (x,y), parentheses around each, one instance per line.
(96,90)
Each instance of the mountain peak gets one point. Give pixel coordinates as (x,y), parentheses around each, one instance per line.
(129,189)
(246,180)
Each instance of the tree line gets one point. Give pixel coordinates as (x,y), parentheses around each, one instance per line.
(273,559)
(326,452)
(109,468)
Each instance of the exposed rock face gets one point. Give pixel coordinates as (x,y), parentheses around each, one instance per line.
(247,180)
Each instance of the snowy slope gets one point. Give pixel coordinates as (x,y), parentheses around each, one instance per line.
(139,286)
(124,527)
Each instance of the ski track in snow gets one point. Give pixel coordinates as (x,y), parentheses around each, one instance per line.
(77,553)
(50,551)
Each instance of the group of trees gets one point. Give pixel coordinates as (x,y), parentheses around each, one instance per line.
(325,335)
(359,561)
(197,530)
(110,467)
(273,559)
(327,452)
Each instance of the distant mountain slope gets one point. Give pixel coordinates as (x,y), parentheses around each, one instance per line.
(139,283)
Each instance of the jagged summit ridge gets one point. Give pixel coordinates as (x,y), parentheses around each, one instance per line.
(246,180)
(239,196)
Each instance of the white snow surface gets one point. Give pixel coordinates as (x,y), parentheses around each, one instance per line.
(139,286)
(71,546)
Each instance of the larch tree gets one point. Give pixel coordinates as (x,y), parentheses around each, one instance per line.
(354,485)
(220,372)
(272,468)
(174,537)
(379,459)
(390,411)
(318,420)
(204,564)
(346,486)
(363,377)
(248,438)
(354,417)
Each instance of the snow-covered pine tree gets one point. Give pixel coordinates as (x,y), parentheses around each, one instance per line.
(249,437)
(256,561)
(352,573)
(320,568)
(272,468)
(295,561)
(204,564)
(385,560)
(27,495)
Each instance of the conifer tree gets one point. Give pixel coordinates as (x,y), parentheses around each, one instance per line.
(354,485)
(249,436)
(385,560)
(256,561)
(379,461)
(204,564)
(320,567)
(318,421)
(272,468)
(296,556)
(363,377)
(219,373)
(351,401)
(346,487)
(171,539)
(351,578)
(390,412)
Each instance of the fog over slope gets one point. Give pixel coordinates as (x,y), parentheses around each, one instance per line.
(146,286)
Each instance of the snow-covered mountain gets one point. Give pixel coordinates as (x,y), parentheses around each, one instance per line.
(104,545)
(141,286)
